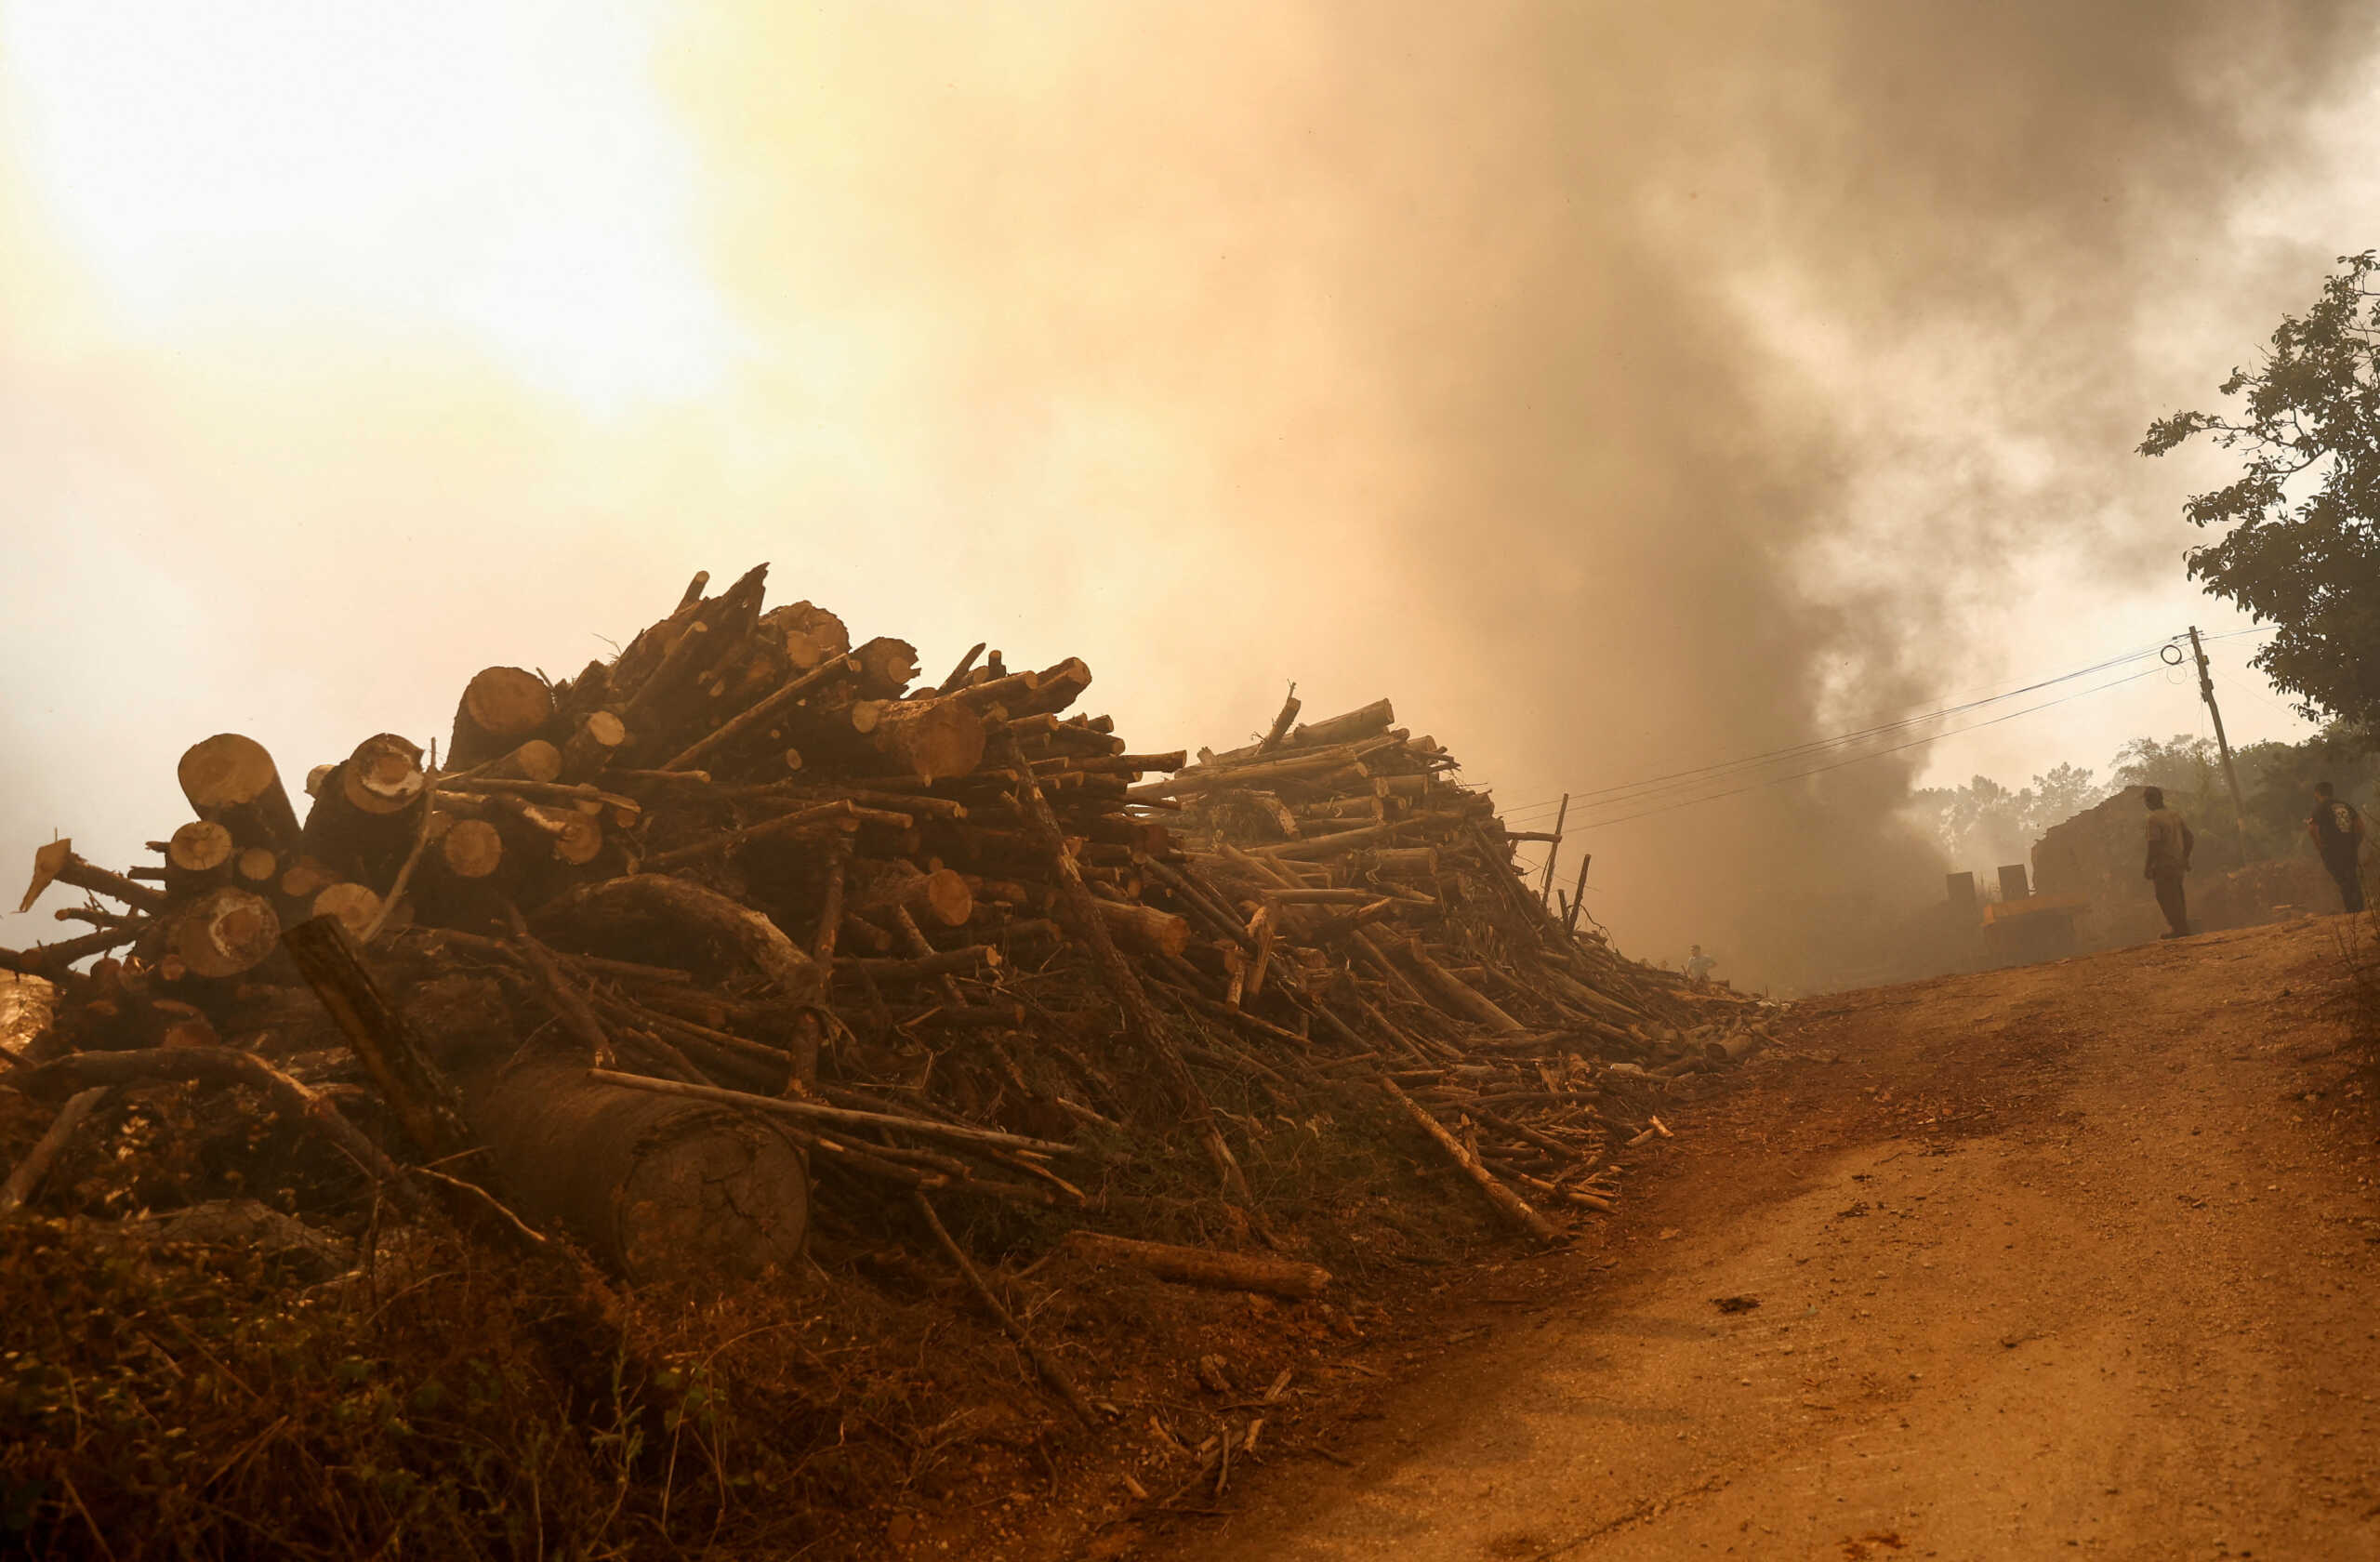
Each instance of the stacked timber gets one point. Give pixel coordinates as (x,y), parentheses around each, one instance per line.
(750,909)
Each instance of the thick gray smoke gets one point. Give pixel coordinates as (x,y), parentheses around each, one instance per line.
(1620,387)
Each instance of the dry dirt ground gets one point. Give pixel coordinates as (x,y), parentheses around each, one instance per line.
(2073,1259)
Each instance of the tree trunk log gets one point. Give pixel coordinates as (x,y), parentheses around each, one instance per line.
(1510,1205)
(1202,1266)
(929,738)
(501,707)
(424,1100)
(231,780)
(223,932)
(600,736)
(640,910)
(57,864)
(874,889)
(363,820)
(198,858)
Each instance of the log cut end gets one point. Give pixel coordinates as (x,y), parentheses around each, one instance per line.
(383,775)
(471,849)
(225,933)
(226,771)
(354,906)
(929,739)
(501,705)
(201,846)
(718,1197)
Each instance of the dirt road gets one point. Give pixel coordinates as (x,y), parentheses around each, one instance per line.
(2072,1258)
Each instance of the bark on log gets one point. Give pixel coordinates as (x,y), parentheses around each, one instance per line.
(501,707)
(223,932)
(425,1101)
(772,709)
(1510,1205)
(231,780)
(638,908)
(600,735)
(534,761)
(27,1175)
(1465,998)
(198,858)
(887,667)
(929,738)
(1203,1267)
(824,817)
(875,888)
(1146,927)
(364,821)
(810,634)
(818,1112)
(57,864)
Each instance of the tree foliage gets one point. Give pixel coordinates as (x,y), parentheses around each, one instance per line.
(2300,546)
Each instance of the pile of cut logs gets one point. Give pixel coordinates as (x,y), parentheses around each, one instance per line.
(650,950)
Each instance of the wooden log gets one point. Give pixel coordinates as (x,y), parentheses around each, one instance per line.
(637,909)
(819,1112)
(1508,1203)
(941,962)
(958,674)
(876,889)
(825,675)
(354,908)
(536,761)
(1204,1266)
(598,739)
(501,707)
(198,858)
(887,667)
(929,738)
(1043,1362)
(424,1101)
(258,869)
(223,932)
(364,821)
(1146,927)
(26,1176)
(57,864)
(1054,688)
(232,781)
(824,817)
(1280,731)
(1466,999)
(810,634)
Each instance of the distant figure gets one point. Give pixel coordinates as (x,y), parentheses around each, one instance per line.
(1698,966)
(2337,830)
(2170,844)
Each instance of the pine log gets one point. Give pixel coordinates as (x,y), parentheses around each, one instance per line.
(258,869)
(878,888)
(425,1101)
(1465,998)
(1362,723)
(650,912)
(1146,927)
(824,675)
(501,707)
(223,932)
(354,908)
(1280,728)
(818,1112)
(600,736)
(1203,1267)
(198,858)
(52,959)
(57,864)
(824,817)
(958,674)
(231,780)
(887,667)
(810,634)
(1509,1204)
(27,1174)
(929,738)
(1054,688)
(365,820)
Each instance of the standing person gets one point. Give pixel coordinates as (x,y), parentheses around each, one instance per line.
(2337,830)
(1698,966)
(2170,844)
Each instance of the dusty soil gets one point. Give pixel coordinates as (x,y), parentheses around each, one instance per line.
(2076,1256)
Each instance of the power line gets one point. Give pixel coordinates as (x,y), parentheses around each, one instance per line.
(1857,759)
(1633,791)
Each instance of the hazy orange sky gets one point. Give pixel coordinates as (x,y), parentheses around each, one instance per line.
(1618,388)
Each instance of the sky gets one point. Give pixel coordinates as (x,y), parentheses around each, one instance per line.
(1619,391)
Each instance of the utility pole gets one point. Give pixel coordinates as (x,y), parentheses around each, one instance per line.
(2230,774)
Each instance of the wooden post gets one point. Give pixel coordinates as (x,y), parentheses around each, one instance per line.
(1578,895)
(1545,887)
